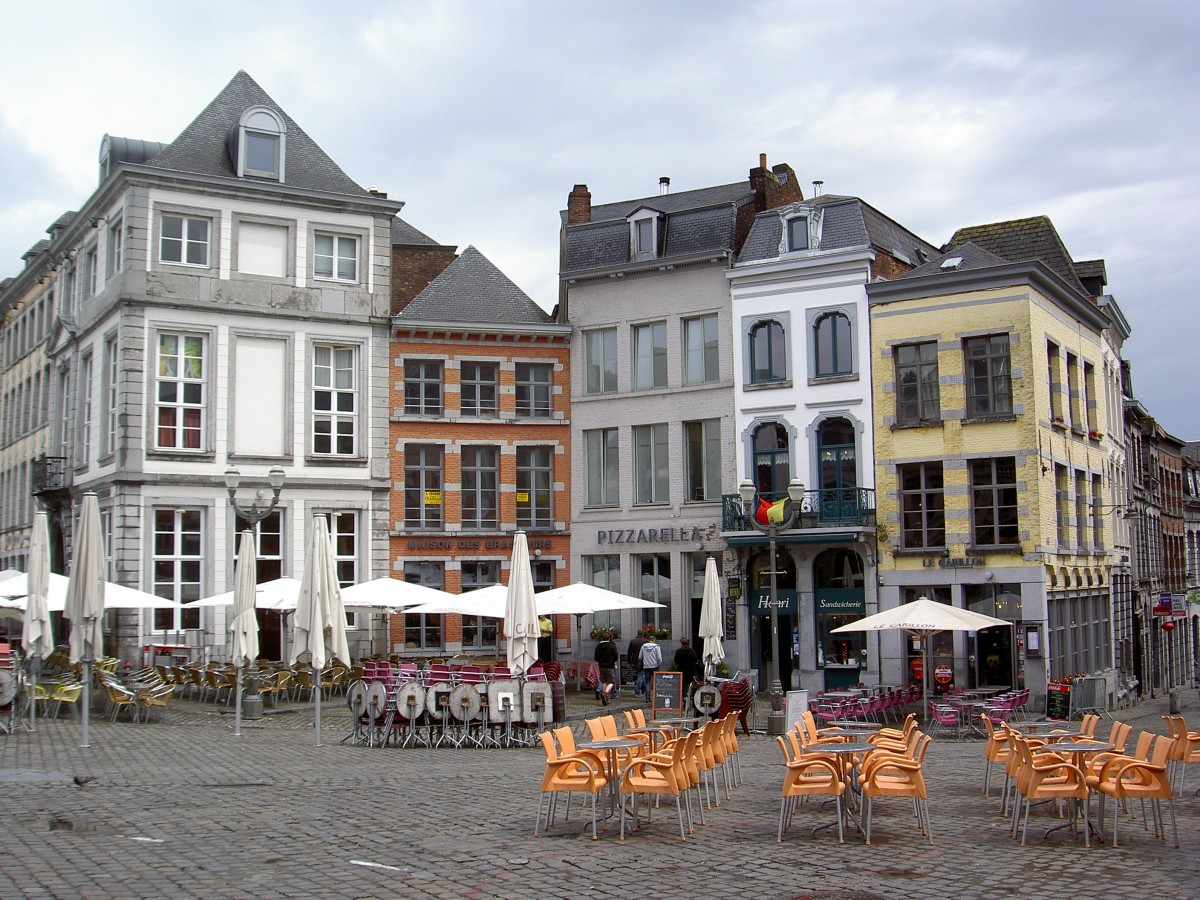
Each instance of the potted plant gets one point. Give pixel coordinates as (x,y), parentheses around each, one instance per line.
(605,632)
(1094,434)
(722,669)
(662,632)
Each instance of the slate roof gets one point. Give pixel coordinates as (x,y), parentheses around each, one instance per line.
(973,257)
(472,290)
(201,148)
(404,233)
(846,222)
(694,222)
(1019,240)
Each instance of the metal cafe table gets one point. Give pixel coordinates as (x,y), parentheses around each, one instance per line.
(611,746)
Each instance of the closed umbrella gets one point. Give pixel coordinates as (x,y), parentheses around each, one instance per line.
(38,638)
(85,597)
(712,625)
(244,627)
(520,613)
(320,619)
(923,618)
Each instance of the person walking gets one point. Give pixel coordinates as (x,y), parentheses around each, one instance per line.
(634,656)
(606,658)
(651,657)
(688,664)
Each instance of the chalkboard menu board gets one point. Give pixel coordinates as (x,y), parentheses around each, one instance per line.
(667,694)
(1058,701)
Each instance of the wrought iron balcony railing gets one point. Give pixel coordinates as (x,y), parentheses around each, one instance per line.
(819,508)
(49,474)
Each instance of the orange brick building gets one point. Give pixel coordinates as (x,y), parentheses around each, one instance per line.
(480,447)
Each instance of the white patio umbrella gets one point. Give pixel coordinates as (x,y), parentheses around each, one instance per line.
(712,624)
(116,596)
(278,594)
(85,597)
(579,599)
(489,601)
(520,614)
(387,593)
(243,630)
(923,618)
(320,619)
(38,637)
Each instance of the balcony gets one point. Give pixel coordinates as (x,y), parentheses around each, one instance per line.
(49,474)
(820,509)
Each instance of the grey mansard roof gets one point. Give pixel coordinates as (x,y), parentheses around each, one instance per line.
(472,290)
(201,148)
(406,235)
(846,222)
(692,221)
(972,255)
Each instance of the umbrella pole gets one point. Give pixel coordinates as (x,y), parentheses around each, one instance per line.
(317,705)
(87,698)
(33,670)
(578,641)
(237,714)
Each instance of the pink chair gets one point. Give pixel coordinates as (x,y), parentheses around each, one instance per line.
(942,715)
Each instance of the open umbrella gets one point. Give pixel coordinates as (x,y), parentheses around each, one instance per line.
(579,599)
(489,601)
(15,590)
(923,618)
(320,620)
(85,597)
(38,637)
(278,594)
(244,627)
(712,625)
(520,613)
(389,593)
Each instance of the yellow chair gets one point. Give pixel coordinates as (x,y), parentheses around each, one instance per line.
(996,750)
(1131,779)
(64,692)
(1185,749)
(886,775)
(658,775)
(120,698)
(566,774)
(1051,778)
(155,698)
(808,776)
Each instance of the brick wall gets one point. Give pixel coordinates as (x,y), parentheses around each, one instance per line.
(412,270)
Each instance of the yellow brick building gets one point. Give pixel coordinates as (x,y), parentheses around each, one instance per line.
(992,452)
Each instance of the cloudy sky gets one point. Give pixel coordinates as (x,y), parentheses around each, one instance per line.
(482,115)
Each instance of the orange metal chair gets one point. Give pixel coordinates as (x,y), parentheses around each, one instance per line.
(1126,779)
(808,776)
(566,774)
(885,775)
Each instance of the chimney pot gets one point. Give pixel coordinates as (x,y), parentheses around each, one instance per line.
(664,185)
(762,160)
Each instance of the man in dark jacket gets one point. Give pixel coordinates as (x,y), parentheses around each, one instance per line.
(634,656)
(606,658)
(688,664)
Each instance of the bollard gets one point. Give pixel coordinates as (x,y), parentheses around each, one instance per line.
(1173,702)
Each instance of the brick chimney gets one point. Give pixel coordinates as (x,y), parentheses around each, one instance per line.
(773,187)
(579,205)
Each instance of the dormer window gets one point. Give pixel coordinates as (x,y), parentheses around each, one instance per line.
(259,144)
(643,234)
(797,233)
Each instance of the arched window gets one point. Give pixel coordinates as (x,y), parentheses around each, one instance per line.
(257,144)
(772,460)
(768,355)
(832,340)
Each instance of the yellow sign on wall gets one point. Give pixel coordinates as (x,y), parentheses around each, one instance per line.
(433,498)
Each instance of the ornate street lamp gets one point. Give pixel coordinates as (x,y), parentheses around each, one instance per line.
(254,512)
(260,507)
(771,530)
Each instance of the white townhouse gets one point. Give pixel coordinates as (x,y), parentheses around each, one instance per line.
(222,301)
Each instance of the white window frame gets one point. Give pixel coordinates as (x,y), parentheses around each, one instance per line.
(535,479)
(262,122)
(116,247)
(329,399)
(336,255)
(600,361)
(534,397)
(186,240)
(602,451)
(651,464)
(84,449)
(180,404)
(643,235)
(112,366)
(701,350)
(179,588)
(702,462)
(431,479)
(649,364)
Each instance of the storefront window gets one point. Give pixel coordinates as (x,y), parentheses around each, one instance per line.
(941,651)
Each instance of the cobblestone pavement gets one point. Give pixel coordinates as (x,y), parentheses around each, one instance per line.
(183,808)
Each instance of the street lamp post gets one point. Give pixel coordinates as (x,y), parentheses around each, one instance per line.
(775,724)
(254,512)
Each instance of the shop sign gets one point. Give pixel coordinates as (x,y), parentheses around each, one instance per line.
(1163,605)
(955,562)
(784,604)
(1179,606)
(846,606)
(474,544)
(943,674)
(917,667)
(650,535)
